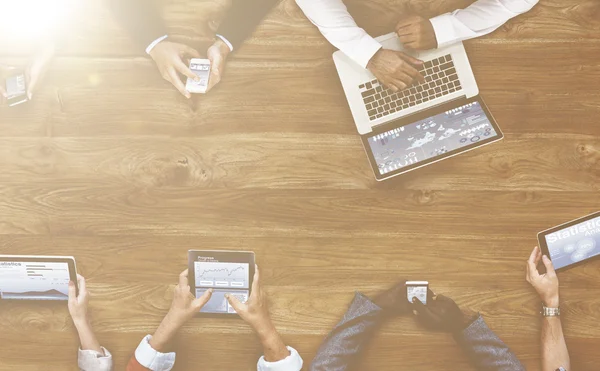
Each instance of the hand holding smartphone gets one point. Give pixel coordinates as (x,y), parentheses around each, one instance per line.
(200,67)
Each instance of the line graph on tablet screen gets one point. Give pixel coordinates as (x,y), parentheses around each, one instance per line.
(232,275)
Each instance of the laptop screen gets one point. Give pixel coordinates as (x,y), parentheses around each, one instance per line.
(435,136)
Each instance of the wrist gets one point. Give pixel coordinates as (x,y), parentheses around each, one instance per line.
(265,330)
(81,322)
(223,47)
(553,302)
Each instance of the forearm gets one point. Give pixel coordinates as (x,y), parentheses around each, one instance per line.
(165,332)
(87,338)
(348,339)
(273,346)
(478,19)
(242,20)
(554,348)
(339,28)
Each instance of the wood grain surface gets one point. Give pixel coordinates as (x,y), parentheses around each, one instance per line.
(111,165)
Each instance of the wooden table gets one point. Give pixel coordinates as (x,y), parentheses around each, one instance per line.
(110,164)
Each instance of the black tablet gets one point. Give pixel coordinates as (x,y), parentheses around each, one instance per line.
(572,243)
(36,277)
(226,272)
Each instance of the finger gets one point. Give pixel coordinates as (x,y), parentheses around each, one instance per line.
(412,60)
(235,303)
(404,23)
(214,78)
(532,263)
(82,285)
(422,312)
(174,79)
(201,301)
(413,45)
(190,51)
(549,266)
(256,281)
(183,278)
(402,81)
(185,71)
(72,291)
(408,39)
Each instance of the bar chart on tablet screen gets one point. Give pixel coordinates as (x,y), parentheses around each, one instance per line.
(221,275)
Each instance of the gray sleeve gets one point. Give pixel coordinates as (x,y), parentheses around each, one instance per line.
(345,342)
(485,349)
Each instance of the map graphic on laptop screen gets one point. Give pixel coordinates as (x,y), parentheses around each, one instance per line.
(574,244)
(431,137)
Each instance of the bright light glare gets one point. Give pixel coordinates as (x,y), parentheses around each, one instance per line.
(31,19)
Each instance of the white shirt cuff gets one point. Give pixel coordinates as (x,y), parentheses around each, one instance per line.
(225,41)
(90,360)
(154,43)
(152,359)
(364,50)
(443,27)
(293,362)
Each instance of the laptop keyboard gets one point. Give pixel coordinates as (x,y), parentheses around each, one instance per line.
(440,79)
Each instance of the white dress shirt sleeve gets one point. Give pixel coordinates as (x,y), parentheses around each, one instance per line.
(293,362)
(154,43)
(225,41)
(340,29)
(151,358)
(90,360)
(478,19)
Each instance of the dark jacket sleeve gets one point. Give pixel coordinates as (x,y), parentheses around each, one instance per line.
(140,18)
(347,340)
(486,350)
(243,18)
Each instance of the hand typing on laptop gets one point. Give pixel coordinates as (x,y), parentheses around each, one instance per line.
(395,69)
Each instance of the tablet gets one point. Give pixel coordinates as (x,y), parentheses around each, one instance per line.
(36,277)
(226,272)
(572,243)
(429,136)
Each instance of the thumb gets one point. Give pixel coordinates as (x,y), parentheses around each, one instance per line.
(235,303)
(201,301)
(548,264)
(72,291)
(410,59)
(419,308)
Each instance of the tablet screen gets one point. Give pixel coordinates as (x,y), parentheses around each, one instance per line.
(431,137)
(224,278)
(34,280)
(574,243)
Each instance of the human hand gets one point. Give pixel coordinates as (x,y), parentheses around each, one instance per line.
(183,308)
(441,314)
(169,58)
(185,304)
(546,285)
(255,311)
(36,70)
(395,69)
(217,54)
(78,304)
(416,32)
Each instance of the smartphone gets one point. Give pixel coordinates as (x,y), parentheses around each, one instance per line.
(417,289)
(200,67)
(16,89)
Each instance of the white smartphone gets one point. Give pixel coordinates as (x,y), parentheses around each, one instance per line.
(201,67)
(417,289)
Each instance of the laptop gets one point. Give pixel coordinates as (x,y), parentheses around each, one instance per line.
(425,123)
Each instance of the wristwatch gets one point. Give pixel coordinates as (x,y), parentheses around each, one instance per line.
(550,312)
